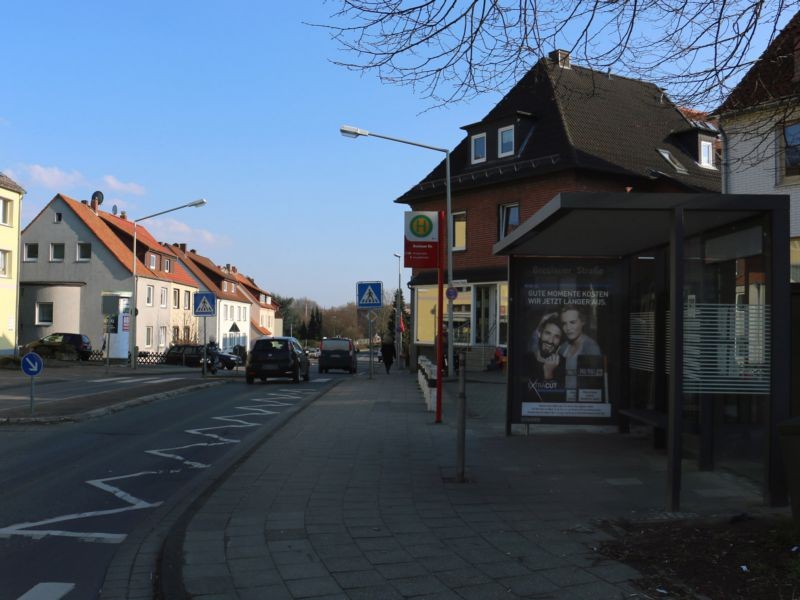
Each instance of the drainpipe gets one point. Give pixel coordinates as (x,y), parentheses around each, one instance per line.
(20,247)
(725,163)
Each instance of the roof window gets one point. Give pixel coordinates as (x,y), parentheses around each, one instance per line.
(667,156)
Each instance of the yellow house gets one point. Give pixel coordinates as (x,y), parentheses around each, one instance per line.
(10,211)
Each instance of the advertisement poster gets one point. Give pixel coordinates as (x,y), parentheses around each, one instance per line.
(565,341)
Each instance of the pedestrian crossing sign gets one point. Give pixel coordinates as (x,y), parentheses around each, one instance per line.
(205,304)
(369,294)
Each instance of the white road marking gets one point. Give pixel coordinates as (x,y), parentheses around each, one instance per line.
(24,529)
(325,380)
(47,591)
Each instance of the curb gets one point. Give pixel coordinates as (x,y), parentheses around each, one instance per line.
(148,564)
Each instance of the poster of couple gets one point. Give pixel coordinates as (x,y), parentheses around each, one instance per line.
(562,370)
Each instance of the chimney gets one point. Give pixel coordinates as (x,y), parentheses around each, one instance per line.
(84,202)
(561,58)
(233,269)
(94,205)
(183,247)
(228,268)
(193,251)
(123,215)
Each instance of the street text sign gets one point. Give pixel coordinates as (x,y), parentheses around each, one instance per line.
(421,239)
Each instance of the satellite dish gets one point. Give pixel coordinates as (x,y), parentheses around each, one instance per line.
(97,197)
(114,210)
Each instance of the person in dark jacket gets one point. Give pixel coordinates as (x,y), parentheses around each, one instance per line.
(388,353)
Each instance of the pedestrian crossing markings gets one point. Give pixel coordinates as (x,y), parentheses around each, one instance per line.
(369,297)
(204,307)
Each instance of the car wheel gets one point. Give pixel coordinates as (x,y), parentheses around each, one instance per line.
(249,380)
(229,367)
(307,376)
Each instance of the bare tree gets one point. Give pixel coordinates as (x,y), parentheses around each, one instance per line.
(452,50)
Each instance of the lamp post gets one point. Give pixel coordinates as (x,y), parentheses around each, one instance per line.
(354,132)
(132,341)
(398,334)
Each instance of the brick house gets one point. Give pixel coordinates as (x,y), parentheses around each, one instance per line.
(561,128)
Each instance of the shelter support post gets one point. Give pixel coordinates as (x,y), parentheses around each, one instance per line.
(675,413)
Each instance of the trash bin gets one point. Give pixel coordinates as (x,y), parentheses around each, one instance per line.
(789,432)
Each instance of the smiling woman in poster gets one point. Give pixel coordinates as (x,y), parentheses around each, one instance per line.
(576,346)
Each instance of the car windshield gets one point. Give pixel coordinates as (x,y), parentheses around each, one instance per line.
(273,345)
(336,344)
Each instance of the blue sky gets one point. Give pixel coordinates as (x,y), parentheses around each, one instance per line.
(160,103)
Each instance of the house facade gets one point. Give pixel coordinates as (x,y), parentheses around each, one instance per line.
(262,307)
(10,210)
(561,128)
(164,293)
(230,326)
(760,123)
(74,255)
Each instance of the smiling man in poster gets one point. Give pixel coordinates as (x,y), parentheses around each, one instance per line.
(566,311)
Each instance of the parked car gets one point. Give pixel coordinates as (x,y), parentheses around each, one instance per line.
(277,357)
(63,346)
(337,353)
(191,355)
(312,352)
(228,360)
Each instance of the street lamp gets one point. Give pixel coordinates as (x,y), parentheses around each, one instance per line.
(132,341)
(354,132)
(398,333)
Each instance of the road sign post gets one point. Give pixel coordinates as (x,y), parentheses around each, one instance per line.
(369,295)
(32,365)
(205,305)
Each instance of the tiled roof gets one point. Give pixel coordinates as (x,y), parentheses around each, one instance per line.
(261,330)
(576,118)
(208,273)
(9,184)
(177,273)
(772,77)
(106,236)
(254,289)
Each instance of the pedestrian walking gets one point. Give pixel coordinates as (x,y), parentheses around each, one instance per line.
(388,353)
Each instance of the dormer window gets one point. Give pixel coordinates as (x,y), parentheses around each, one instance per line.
(233,287)
(667,156)
(505,141)
(166,265)
(224,286)
(706,154)
(152,261)
(478,146)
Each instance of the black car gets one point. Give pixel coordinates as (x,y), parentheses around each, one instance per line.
(276,357)
(337,353)
(228,360)
(63,346)
(191,355)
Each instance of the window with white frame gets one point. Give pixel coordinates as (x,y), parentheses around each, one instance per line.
(706,154)
(790,146)
(149,293)
(164,293)
(233,287)
(505,141)
(84,251)
(148,336)
(244,314)
(478,148)
(187,300)
(238,313)
(176,298)
(44,313)
(166,265)
(5,263)
(58,217)
(460,231)
(56,252)
(507,219)
(162,336)
(224,286)
(152,261)
(30,252)
(5,211)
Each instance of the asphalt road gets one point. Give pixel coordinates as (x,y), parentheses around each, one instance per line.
(72,491)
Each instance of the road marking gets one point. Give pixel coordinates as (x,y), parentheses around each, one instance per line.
(24,529)
(326,380)
(135,379)
(236,421)
(47,591)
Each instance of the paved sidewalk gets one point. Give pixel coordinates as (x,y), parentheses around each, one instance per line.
(355,498)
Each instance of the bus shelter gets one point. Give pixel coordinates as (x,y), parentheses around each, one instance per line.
(593,278)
